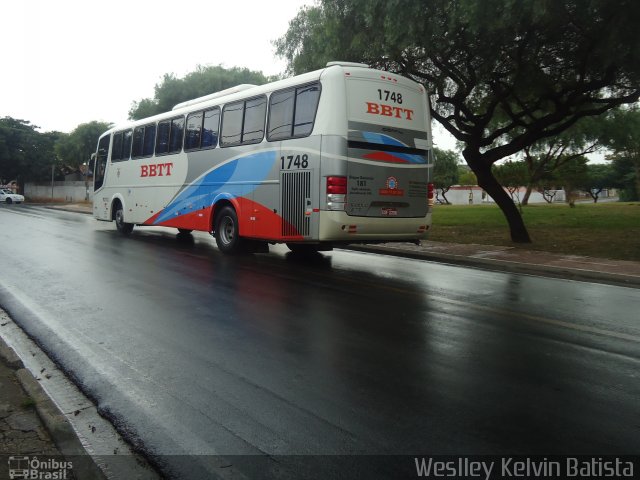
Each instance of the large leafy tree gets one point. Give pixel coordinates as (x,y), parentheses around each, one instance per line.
(622,136)
(573,175)
(626,174)
(203,81)
(25,153)
(503,74)
(76,148)
(545,156)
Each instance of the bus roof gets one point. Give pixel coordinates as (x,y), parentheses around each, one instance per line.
(244,91)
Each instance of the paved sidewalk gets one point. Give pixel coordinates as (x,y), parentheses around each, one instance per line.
(35,437)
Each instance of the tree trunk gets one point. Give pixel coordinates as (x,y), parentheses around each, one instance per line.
(488,182)
(527,194)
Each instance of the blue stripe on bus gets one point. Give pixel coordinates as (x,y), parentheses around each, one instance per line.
(382,139)
(228,179)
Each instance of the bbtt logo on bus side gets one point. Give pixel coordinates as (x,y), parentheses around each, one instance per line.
(389,111)
(156,170)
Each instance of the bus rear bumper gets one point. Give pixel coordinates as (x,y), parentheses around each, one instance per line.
(338,227)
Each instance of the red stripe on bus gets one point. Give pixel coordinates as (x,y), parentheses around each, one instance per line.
(384,157)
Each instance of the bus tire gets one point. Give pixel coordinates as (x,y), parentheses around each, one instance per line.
(226,230)
(122,226)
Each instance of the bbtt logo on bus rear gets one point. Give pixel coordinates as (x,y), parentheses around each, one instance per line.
(389,111)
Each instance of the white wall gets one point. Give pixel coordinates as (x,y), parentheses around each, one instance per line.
(62,191)
(459,195)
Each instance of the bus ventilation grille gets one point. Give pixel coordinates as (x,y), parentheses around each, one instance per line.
(296,193)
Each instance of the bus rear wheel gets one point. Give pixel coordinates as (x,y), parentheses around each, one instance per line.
(121,225)
(226,231)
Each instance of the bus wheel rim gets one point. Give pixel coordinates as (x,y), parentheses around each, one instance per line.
(227,230)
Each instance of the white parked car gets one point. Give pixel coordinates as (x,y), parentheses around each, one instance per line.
(7,196)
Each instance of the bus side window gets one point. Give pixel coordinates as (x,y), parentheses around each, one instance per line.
(126,144)
(306,107)
(162,139)
(149,140)
(194,131)
(175,137)
(253,125)
(210,128)
(116,150)
(280,115)
(292,112)
(232,114)
(138,139)
(101,162)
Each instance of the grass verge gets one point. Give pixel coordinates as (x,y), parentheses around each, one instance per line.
(605,230)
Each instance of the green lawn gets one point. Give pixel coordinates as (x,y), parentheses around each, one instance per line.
(606,230)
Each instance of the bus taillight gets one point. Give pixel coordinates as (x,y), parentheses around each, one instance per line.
(430,192)
(336,193)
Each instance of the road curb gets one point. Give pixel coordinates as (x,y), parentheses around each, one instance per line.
(55,422)
(65,208)
(9,356)
(506,266)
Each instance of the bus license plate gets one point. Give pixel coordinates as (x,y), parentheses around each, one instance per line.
(389,212)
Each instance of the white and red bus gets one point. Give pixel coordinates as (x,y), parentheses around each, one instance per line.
(336,156)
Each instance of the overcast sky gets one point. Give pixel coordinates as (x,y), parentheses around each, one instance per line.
(67,62)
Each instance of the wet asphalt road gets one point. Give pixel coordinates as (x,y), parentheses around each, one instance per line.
(190,352)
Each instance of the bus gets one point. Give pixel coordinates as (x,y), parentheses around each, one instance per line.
(337,156)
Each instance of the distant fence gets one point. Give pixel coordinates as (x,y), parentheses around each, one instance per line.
(58,192)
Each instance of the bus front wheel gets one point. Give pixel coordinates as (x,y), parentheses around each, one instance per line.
(226,231)
(121,225)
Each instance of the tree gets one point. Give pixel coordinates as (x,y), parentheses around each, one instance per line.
(445,171)
(544,157)
(76,148)
(202,81)
(25,153)
(622,136)
(573,175)
(512,176)
(599,176)
(466,176)
(626,174)
(504,75)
